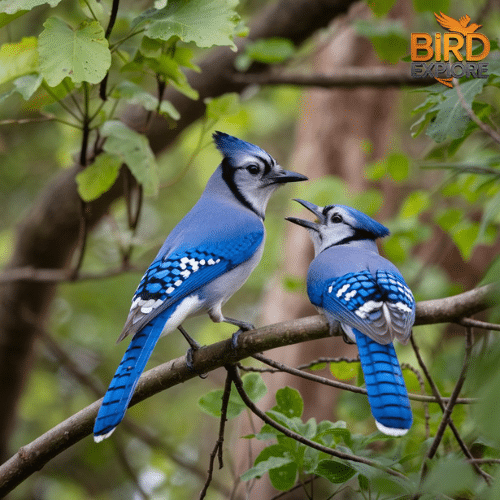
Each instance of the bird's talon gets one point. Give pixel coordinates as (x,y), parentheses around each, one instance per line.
(189,363)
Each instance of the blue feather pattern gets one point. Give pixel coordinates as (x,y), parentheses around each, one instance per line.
(386,389)
(121,388)
(362,301)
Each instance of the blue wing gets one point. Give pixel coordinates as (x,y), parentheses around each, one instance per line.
(380,306)
(181,273)
(164,285)
(385,385)
(374,309)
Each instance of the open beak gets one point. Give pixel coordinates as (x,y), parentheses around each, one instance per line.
(317,211)
(284,176)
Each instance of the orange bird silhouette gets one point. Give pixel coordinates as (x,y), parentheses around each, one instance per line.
(460,26)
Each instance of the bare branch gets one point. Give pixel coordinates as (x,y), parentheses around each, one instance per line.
(217,450)
(34,455)
(377,76)
(454,395)
(475,323)
(453,428)
(29,273)
(343,386)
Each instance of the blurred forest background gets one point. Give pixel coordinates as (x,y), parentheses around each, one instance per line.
(322,85)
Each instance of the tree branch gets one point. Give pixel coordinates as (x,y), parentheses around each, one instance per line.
(36,454)
(377,76)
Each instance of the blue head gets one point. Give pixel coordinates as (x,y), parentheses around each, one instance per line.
(339,225)
(251,173)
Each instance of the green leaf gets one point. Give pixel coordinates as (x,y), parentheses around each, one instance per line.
(482,111)
(225,105)
(449,218)
(264,466)
(368,201)
(25,85)
(335,472)
(82,54)
(375,171)
(254,386)
(204,22)
(415,203)
(465,238)
(134,94)
(344,370)
(452,120)
(13,6)
(97,178)
(431,5)
(165,66)
(289,402)
(133,149)
(18,59)
(389,39)
(7,18)
(270,50)
(448,476)
(276,461)
(398,166)
(381,7)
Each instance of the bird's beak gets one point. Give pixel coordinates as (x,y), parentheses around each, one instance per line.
(284,176)
(317,211)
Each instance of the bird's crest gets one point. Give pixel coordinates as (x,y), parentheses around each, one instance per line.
(231,146)
(363,222)
(460,26)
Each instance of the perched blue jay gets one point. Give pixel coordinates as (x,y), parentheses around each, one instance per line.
(204,260)
(349,282)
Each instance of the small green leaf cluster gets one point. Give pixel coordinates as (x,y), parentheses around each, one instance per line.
(288,459)
(92,65)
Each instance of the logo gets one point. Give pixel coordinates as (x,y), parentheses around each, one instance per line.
(456,53)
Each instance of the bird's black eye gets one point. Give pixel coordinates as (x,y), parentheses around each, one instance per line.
(253,169)
(336,218)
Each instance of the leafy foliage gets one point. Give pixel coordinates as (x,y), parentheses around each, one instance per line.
(450,191)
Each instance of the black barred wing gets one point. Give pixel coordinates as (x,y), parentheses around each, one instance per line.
(380,306)
(182,272)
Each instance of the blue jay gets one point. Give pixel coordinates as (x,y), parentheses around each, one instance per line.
(349,282)
(205,259)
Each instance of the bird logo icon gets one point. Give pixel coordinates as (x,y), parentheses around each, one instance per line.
(459,26)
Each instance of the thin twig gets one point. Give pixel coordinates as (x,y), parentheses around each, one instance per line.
(85,125)
(440,401)
(407,366)
(454,395)
(343,386)
(60,275)
(217,450)
(82,241)
(109,29)
(470,113)
(238,383)
(475,323)
(319,361)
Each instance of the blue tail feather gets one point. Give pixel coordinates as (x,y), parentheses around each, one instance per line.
(120,391)
(385,385)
